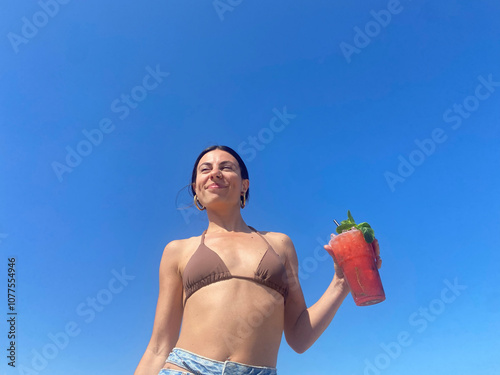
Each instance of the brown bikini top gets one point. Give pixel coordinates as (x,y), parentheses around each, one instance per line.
(206,267)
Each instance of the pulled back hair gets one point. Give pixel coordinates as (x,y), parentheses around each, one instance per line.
(241,163)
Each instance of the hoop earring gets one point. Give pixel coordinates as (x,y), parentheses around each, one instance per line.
(243,201)
(196,202)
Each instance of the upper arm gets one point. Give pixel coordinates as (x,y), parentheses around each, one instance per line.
(168,316)
(295,303)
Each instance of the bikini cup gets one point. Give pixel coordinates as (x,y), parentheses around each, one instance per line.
(206,267)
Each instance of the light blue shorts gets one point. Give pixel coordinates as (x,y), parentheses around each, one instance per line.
(199,365)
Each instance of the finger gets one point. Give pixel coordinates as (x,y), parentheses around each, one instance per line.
(329,249)
(379,263)
(376,247)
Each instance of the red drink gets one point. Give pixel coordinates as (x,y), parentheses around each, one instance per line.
(356,258)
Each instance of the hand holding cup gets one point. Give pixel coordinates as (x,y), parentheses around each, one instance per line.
(356,255)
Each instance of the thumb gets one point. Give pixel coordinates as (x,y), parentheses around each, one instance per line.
(328,249)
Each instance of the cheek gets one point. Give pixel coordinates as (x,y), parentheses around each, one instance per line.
(199,183)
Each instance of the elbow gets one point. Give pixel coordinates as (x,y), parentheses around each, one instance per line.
(300,349)
(160,346)
(299,346)
(160,351)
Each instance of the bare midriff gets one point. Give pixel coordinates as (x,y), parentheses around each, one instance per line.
(235,320)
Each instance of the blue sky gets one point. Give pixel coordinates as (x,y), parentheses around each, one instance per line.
(388,109)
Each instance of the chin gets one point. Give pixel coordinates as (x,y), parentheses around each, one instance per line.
(218,202)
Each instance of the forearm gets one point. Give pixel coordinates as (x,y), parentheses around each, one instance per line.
(151,363)
(314,320)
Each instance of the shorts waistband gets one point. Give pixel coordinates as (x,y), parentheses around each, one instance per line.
(200,365)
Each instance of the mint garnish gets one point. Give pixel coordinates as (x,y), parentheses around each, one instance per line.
(365,228)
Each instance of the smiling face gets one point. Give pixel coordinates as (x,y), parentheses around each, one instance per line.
(218,179)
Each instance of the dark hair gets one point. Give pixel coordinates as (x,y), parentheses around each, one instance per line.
(243,167)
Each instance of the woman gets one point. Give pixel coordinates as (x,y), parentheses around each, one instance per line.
(235,290)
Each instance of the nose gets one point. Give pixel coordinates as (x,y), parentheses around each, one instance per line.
(216,173)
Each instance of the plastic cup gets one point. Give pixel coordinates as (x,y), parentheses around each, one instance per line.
(357,260)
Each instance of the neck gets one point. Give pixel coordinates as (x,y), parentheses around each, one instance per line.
(229,220)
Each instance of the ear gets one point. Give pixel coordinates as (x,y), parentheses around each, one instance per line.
(246,184)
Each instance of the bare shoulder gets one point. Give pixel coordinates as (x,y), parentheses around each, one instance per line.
(280,242)
(177,252)
(177,247)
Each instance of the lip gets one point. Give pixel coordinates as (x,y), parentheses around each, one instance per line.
(215,186)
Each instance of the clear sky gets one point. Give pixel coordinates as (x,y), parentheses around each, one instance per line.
(389,109)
